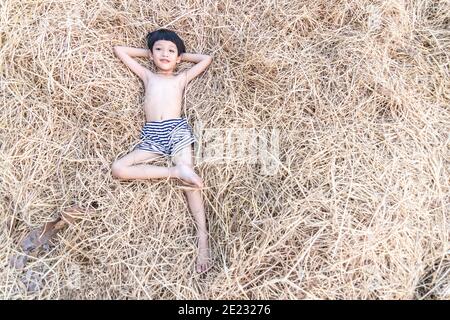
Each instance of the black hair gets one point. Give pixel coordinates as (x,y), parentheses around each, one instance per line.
(165,34)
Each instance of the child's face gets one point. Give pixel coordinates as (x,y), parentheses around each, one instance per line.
(165,55)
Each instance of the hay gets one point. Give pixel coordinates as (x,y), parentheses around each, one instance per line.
(359,206)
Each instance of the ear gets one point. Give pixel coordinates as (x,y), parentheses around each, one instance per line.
(150,55)
(179,59)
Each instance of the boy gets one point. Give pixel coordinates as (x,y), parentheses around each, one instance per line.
(166,133)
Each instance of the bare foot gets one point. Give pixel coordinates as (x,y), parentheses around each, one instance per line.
(204,257)
(188,175)
(203,260)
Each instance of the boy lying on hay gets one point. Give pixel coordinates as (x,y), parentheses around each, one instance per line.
(165,132)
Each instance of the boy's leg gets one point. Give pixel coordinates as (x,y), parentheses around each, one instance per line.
(127,167)
(195,202)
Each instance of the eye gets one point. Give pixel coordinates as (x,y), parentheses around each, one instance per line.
(172,51)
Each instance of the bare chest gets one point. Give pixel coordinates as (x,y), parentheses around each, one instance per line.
(163,88)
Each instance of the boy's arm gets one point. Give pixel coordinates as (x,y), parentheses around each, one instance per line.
(202,62)
(126,53)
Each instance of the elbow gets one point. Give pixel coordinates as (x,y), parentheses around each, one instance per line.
(116,49)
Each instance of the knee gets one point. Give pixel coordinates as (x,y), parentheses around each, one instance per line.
(191,166)
(118,169)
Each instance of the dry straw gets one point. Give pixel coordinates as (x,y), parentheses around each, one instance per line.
(359,207)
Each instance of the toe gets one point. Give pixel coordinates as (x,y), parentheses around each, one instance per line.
(199,267)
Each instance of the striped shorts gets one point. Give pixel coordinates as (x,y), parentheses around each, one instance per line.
(166,137)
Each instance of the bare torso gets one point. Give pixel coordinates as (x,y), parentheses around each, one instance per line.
(163,96)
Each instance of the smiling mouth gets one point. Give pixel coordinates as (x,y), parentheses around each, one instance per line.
(165,61)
